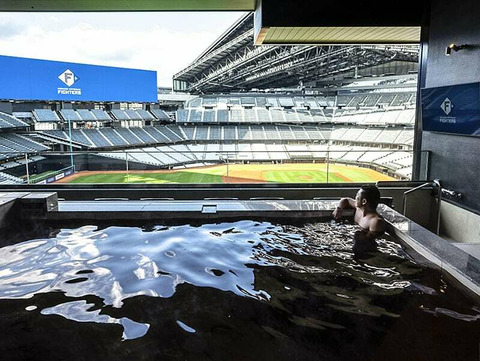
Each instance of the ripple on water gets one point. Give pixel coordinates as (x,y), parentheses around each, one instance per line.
(118,263)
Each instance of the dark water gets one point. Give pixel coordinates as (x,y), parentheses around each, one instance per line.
(231,291)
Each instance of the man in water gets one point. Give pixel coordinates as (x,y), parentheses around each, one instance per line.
(372,225)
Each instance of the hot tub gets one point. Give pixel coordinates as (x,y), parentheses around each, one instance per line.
(232,289)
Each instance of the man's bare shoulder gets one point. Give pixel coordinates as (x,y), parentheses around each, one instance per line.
(377,224)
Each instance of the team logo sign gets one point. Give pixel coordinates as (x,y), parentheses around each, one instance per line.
(447,106)
(69,78)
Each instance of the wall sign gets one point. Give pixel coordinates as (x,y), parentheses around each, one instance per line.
(452,109)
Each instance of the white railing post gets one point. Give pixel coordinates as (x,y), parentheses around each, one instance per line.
(26,166)
(328,165)
(227,170)
(126,166)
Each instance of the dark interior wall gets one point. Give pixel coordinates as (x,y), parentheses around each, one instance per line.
(327,13)
(455,159)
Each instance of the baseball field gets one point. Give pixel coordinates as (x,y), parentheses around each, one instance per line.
(236,173)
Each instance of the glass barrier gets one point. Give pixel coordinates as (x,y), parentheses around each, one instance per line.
(214,163)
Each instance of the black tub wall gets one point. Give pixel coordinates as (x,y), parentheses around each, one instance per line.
(455,159)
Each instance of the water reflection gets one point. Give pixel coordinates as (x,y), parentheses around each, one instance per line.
(80,311)
(119,263)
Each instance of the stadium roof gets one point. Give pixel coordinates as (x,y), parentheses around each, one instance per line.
(234,63)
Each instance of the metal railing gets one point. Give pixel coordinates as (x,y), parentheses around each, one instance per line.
(436,183)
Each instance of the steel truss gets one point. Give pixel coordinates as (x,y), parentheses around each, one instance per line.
(235,64)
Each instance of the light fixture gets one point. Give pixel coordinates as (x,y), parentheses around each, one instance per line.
(452,46)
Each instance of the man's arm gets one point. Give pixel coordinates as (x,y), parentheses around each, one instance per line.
(344,203)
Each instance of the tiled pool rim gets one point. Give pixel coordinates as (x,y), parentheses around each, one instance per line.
(450,259)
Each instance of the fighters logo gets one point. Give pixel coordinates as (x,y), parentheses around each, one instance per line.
(447,106)
(68,77)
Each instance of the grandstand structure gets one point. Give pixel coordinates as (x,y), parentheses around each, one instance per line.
(234,63)
(14,146)
(372,130)
(47,119)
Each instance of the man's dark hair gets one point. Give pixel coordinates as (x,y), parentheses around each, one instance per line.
(371,194)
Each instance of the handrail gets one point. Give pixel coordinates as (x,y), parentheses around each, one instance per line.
(452,193)
(435,183)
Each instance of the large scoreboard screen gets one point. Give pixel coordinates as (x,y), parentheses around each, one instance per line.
(33,79)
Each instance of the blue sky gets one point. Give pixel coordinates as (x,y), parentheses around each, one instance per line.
(166,42)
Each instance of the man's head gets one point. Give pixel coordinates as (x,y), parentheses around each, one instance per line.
(368,196)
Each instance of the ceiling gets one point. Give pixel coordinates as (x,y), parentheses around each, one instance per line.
(338,35)
(322,22)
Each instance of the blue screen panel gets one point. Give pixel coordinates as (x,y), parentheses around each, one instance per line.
(32,79)
(452,109)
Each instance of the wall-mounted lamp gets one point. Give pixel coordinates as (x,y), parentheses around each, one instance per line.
(448,49)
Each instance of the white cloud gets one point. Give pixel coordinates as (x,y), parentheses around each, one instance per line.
(151,46)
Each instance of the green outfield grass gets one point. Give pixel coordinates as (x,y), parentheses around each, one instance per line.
(180,177)
(240,173)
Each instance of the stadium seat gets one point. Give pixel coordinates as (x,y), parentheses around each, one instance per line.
(9,121)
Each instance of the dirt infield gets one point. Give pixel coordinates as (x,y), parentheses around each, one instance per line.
(244,176)
(342,177)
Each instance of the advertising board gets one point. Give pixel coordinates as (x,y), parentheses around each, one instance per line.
(44,80)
